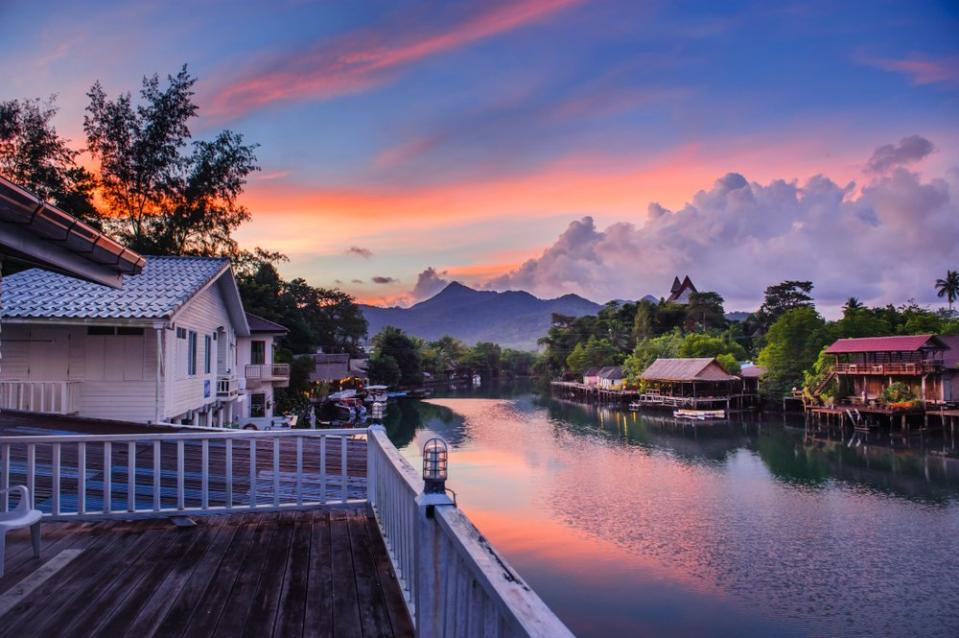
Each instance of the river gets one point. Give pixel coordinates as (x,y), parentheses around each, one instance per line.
(630,526)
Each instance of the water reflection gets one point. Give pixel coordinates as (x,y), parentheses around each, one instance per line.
(630,525)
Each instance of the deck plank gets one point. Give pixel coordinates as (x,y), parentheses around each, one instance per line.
(209,608)
(392,592)
(318,620)
(292,610)
(346,612)
(374,619)
(266,599)
(309,573)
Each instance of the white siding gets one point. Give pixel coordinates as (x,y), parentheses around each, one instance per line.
(203,314)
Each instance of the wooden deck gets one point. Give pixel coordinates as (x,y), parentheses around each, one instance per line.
(307,573)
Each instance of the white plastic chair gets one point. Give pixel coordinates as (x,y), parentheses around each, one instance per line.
(22,516)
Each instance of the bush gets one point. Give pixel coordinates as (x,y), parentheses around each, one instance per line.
(898,392)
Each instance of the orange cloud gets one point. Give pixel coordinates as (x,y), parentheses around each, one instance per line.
(359,60)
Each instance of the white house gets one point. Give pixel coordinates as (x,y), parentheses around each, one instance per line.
(260,374)
(612,378)
(163,348)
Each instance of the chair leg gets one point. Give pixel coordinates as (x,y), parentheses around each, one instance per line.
(35,538)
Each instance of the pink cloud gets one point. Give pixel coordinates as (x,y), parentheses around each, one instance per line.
(362,59)
(922,68)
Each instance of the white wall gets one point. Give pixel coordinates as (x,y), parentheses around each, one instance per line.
(203,314)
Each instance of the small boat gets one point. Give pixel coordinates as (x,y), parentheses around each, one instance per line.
(634,406)
(377,394)
(699,415)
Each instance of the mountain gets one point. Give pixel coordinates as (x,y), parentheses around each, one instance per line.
(514,318)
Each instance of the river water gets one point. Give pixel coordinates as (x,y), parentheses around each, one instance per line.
(627,525)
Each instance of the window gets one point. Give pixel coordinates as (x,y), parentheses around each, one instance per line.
(100,330)
(181,333)
(130,332)
(257,405)
(258,352)
(207,353)
(191,354)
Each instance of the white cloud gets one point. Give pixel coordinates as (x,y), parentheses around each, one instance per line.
(884,243)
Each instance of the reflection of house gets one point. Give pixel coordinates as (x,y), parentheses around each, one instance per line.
(612,378)
(591,377)
(681,291)
(255,358)
(699,377)
(162,348)
(867,366)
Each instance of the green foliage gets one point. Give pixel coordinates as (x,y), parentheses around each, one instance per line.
(383,369)
(316,317)
(782,298)
(897,392)
(393,343)
(705,312)
(650,349)
(705,345)
(948,287)
(793,344)
(592,354)
(33,155)
(728,363)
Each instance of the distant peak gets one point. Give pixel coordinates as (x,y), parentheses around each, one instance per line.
(453,286)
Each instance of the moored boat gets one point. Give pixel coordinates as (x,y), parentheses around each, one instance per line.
(700,415)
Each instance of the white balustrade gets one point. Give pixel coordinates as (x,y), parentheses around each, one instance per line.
(46,397)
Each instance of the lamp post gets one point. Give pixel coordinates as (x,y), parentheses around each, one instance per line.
(435,456)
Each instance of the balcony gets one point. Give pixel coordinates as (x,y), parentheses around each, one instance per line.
(227,387)
(902,368)
(275,373)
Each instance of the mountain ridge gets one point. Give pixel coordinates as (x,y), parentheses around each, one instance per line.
(513,318)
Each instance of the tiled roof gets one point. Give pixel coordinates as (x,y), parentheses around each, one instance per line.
(752,372)
(165,284)
(612,373)
(700,369)
(259,324)
(908,343)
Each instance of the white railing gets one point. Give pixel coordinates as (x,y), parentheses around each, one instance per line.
(267,370)
(227,386)
(454,581)
(166,474)
(46,397)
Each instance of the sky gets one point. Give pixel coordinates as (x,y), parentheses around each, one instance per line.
(597,147)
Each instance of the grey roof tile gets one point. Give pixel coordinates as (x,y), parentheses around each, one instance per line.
(164,285)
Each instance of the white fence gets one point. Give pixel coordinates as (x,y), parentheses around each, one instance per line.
(453,581)
(46,397)
(185,472)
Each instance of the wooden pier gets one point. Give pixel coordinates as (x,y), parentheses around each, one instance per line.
(591,393)
(307,573)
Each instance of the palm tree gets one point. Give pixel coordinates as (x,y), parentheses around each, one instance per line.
(949,287)
(852,304)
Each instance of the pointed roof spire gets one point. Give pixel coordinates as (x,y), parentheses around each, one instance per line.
(676,284)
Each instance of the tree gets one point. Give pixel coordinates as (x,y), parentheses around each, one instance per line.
(396,344)
(852,305)
(593,353)
(705,310)
(792,345)
(483,358)
(948,287)
(704,345)
(782,298)
(167,193)
(648,350)
(383,369)
(33,155)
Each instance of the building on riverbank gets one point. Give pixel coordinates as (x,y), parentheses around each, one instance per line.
(690,383)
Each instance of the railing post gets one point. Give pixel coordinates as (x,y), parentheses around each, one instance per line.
(429,571)
(371,461)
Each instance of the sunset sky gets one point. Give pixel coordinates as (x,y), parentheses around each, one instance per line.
(594,147)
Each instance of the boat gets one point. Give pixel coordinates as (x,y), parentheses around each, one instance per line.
(634,406)
(699,415)
(377,394)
